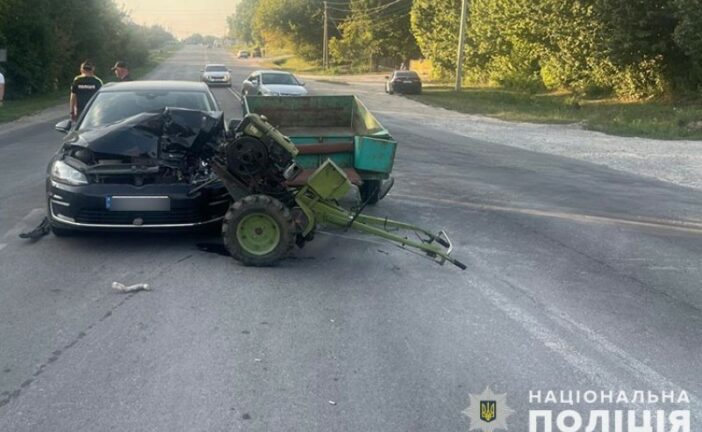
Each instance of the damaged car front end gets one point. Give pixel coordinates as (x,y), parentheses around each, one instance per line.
(147,171)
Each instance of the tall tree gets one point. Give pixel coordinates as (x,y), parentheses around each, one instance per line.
(241,22)
(374,29)
(435,25)
(296,22)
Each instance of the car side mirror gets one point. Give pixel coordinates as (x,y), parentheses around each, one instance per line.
(64,126)
(302,83)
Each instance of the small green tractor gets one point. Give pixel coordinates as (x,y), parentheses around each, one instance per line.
(271,212)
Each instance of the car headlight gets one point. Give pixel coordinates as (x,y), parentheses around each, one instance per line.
(269,93)
(64,173)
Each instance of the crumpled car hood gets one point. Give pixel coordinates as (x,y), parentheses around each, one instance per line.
(163,135)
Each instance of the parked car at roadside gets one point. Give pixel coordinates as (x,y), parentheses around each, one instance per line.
(273,83)
(134,160)
(243,54)
(216,74)
(404,82)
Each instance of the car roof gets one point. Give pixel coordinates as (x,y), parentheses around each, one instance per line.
(272,72)
(154,85)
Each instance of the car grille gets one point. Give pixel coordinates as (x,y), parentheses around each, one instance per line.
(106,217)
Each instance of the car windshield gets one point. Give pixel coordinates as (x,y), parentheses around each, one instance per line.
(278,78)
(111,107)
(406,75)
(215,68)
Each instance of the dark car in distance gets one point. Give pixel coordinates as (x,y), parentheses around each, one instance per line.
(404,82)
(134,160)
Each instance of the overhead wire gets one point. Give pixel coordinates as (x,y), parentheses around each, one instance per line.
(403,10)
(375,9)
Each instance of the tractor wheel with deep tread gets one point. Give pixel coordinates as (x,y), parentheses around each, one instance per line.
(258,230)
(370,191)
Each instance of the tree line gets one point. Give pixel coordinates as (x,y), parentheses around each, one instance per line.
(46,40)
(631,48)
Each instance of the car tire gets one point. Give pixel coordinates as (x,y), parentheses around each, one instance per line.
(370,191)
(258,231)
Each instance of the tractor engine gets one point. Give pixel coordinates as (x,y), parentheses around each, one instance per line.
(259,157)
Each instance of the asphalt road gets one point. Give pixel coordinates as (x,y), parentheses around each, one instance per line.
(579,278)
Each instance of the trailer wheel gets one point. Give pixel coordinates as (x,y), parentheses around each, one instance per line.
(370,191)
(258,230)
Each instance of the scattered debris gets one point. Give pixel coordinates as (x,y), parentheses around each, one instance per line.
(131,288)
(331,402)
(40,231)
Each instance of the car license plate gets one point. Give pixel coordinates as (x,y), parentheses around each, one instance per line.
(138,203)
(407,82)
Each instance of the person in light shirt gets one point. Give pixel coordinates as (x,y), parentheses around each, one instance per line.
(2,88)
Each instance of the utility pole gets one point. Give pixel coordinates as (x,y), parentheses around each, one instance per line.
(325,50)
(461,40)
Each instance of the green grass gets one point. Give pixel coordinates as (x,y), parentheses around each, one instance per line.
(14,109)
(293,64)
(677,119)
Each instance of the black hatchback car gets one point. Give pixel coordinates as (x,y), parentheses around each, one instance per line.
(135,160)
(404,82)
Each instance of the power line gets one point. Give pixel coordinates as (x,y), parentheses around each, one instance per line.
(371,10)
(404,10)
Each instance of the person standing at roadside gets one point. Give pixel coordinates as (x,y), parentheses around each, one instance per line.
(2,88)
(121,70)
(84,87)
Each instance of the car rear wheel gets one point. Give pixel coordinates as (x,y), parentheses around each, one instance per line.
(258,230)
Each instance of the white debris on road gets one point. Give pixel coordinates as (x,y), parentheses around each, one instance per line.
(131,288)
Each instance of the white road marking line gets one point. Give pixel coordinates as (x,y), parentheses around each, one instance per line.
(599,373)
(236,95)
(670,224)
(2,246)
(22,226)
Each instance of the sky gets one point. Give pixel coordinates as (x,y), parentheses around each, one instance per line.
(182,17)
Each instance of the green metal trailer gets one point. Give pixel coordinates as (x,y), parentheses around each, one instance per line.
(339,128)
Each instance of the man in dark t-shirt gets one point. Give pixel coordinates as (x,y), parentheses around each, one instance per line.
(83,88)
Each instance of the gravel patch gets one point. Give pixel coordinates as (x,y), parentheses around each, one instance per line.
(678,162)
